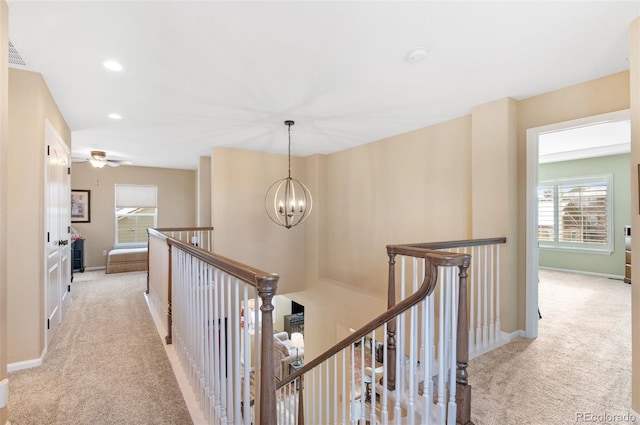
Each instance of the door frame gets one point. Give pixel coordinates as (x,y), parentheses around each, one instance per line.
(50,130)
(532,144)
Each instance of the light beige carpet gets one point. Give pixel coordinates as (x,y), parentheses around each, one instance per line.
(106,364)
(579,367)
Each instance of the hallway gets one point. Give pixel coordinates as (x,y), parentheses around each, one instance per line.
(106,364)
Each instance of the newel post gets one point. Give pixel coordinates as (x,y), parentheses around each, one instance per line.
(390,359)
(463,389)
(267,286)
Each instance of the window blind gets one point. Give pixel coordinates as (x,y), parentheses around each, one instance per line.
(136,196)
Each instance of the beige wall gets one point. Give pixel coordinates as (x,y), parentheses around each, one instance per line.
(176,201)
(30,103)
(4,142)
(243,231)
(389,192)
(634,66)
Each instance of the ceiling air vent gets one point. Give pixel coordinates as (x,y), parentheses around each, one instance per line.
(14,56)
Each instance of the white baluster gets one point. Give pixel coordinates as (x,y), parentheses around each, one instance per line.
(478,286)
(471,280)
(441,406)
(452,407)
(497,276)
(385,379)
(344,388)
(335,388)
(492,274)
(425,363)
(485,327)
(247,359)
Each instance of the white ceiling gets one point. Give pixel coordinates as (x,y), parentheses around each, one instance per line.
(208,73)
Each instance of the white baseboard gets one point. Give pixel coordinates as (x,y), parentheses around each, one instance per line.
(27,364)
(508,337)
(610,276)
(505,338)
(162,328)
(95,268)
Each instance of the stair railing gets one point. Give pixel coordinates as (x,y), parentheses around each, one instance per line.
(358,380)
(159,267)
(485,327)
(228,363)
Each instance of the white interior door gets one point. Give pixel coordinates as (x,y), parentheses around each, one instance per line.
(57,223)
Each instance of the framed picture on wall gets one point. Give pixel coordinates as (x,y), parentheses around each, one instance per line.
(80,206)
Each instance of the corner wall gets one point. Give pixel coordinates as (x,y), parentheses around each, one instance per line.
(203,192)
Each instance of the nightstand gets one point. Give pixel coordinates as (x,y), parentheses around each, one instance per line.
(77,255)
(293,366)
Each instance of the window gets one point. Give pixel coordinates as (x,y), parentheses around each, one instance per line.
(576,213)
(135,212)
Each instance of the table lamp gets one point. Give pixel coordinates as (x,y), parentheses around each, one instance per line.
(297,341)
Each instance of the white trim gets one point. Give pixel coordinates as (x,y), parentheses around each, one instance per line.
(508,337)
(531,241)
(193,405)
(502,338)
(618,149)
(609,276)
(4,393)
(27,364)
(95,268)
(160,326)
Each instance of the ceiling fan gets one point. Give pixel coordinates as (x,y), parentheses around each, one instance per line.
(99,159)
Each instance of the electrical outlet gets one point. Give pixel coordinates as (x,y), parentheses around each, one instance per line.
(104,252)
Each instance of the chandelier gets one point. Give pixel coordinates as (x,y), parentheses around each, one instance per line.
(288,201)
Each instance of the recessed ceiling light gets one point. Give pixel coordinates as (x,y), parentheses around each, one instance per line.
(417,55)
(112,65)
(115,116)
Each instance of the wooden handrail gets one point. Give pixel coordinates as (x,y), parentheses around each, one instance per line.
(457,244)
(435,259)
(243,272)
(181,229)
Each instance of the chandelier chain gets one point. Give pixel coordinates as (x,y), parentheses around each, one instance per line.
(289,150)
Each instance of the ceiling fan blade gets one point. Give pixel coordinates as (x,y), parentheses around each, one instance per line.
(117,162)
(79,160)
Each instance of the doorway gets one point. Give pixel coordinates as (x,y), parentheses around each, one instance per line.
(57,281)
(532,178)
